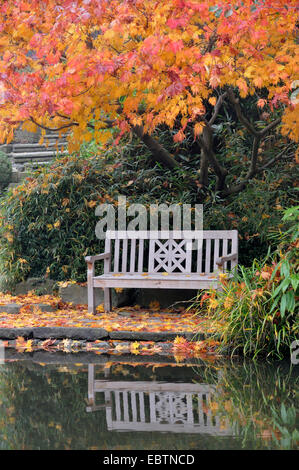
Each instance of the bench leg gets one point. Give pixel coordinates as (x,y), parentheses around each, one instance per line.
(90,289)
(91,299)
(107,300)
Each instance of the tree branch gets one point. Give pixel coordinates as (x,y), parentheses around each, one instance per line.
(254,155)
(239,187)
(217,108)
(55,129)
(270,126)
(159,153)
(236,103)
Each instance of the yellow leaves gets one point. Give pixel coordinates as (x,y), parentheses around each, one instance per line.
(52,226)
(290,123)
(64,284)
(22,32)
(228,303)
(228,406)
(57,224)
(213,303)
(213,407)
(109,34)
(100,308)
(102,137)
(250,71)
(4,41)
(135,347)
(91,204)
(198,129)
(8,236)
(179,340)
(137,55)
(29,126)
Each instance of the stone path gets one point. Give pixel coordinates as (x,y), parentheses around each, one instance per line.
(29,324)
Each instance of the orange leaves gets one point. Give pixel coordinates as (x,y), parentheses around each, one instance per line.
(22,345)
(122,319)
(132,319)
(241,83)
(179,136)
(261,103)
(182,347)
(171,55)
(198,128)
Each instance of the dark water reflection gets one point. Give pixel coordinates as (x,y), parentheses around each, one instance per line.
(223,405)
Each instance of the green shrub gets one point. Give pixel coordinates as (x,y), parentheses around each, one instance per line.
(48,222)
(5,171)
(256,312)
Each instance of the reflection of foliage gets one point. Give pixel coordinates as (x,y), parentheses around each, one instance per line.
(285,422)
(45,419)
(45,407)
(260,401)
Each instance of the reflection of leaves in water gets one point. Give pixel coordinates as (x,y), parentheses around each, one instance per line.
(285,422)
(45,407)
(259,399)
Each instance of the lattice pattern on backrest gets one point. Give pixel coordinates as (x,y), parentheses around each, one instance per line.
(171,255)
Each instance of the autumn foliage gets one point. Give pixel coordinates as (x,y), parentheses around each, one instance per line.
(132,65)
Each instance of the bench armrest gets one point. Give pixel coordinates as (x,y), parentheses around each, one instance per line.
(224,259)
(92,259)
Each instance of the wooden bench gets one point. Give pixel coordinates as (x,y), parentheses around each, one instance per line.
(132,260)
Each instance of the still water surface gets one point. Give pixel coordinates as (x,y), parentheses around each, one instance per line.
(152,406)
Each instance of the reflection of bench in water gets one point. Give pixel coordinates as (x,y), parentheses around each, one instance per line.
(155,406)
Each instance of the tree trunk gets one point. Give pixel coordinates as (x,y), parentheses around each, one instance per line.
(159,153)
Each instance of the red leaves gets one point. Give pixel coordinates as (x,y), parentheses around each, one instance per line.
(176,46)
(174,89)
(53,58)
(179,136)
(174,23)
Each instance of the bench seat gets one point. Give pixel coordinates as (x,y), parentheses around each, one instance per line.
(157,280)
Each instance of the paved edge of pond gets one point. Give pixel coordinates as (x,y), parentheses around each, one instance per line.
(93,334)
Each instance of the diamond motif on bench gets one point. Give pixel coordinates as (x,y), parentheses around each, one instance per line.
(172,408)
(170,256)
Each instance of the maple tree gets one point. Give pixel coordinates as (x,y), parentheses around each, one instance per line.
(123,66)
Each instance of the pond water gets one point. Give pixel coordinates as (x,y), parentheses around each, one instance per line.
(220,404)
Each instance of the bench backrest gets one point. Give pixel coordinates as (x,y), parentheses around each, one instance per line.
(134,252)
